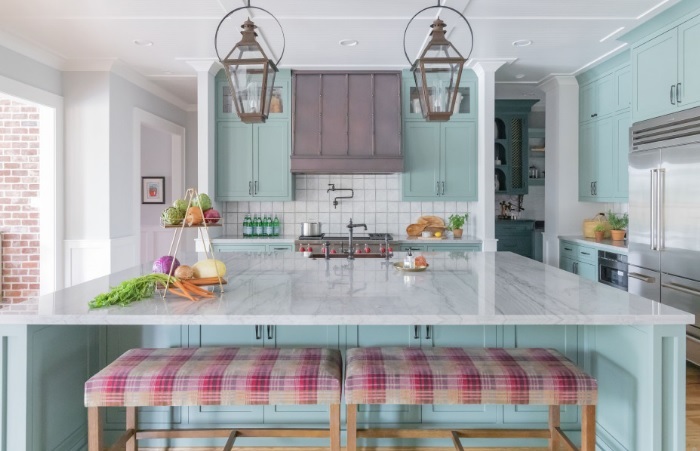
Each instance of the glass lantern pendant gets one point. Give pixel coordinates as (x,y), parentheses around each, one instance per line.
(437,73)
(251,76)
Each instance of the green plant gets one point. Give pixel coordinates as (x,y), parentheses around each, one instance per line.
(599,228)
(617,221)
(457,221)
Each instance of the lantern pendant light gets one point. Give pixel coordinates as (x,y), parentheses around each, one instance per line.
(438,70)
(250,73)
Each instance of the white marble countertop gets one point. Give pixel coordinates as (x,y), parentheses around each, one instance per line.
(288,289)
(619,247)
(236,239)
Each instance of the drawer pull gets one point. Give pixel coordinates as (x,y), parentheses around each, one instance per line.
(681,288)
(585,253)
(568,249)
(416,332)
(643,278)
(280,248)
(269,332)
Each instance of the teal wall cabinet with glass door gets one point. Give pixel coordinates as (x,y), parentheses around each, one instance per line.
(604,122)
(440,157)
(666,70)
(253,160)
(511,146)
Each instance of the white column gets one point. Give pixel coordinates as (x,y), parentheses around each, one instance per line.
(485,218)
(563,212)
(206,124)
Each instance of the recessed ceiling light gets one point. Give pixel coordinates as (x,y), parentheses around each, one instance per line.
(143,42)
(522,43)
(348,42)
(519,76)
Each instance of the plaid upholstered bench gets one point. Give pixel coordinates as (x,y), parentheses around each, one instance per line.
(468,376)
(214,376)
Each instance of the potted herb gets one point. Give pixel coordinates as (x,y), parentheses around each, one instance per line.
(599,231)
(618,223)
(456,222)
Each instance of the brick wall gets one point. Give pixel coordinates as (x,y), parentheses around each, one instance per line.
(19,199)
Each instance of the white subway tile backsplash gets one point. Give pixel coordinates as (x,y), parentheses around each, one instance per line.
(376,202)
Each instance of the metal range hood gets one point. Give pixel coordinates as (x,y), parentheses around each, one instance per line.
(346,123)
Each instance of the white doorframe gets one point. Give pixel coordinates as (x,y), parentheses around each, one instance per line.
(177,133)
(51,200)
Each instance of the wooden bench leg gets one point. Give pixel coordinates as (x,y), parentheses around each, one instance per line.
(335,427)
(94,429)
(554,423)
(351,420)
(588,428)
(131,423)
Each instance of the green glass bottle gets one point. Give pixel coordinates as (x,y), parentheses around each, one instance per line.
(276,228)
(268,226)
(258,227)
(247,227)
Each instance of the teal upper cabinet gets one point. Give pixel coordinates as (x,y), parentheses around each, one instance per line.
(440,157)
(604,115)
(440,161)
(465,109)
(253,161)
(666,71)
(280,103)
(511,146)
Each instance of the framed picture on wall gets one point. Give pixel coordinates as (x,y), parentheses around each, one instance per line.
(152,190)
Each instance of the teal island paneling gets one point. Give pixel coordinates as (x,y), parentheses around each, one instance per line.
(640,372)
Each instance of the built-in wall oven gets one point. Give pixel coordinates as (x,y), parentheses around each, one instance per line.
(612,269)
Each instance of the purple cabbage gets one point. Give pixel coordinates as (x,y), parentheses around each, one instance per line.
(166,264)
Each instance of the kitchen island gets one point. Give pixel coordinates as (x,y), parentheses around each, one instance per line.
(633,346)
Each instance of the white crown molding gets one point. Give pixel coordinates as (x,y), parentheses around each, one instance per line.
(210,65)
(32,51)
(127,73)
(89,65)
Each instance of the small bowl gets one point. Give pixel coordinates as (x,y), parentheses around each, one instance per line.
(308,254)
(426,234)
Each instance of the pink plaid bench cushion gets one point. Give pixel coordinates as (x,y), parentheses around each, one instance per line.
(465,376)
(218,376)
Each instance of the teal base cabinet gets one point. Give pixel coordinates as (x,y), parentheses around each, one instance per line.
(441,246)
(253,247)
(577,259)
(515,236)
(640,372)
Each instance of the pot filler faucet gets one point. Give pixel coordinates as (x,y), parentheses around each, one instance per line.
(351,226)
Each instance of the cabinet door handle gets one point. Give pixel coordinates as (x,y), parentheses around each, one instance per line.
(586,253)
(280,248)
(575,268)
(678,93)
(681,288)
(591,188)
(437,188)
(443,188)
(567,249)
(250,188)
(256,188)
(416,332)
(594,115)
(269,332)
(428,330)
(258,332)
(673,95)
(643,278)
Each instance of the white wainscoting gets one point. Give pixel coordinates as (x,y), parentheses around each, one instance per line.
(88,259)
(155,242)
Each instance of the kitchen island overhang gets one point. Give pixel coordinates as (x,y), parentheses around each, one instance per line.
(490,288)
(633,346)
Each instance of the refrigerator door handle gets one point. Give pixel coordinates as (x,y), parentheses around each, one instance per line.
(660,181)
(681,288)
(643,278)
(652,215)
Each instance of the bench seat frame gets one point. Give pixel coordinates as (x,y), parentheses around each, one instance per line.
(129,439)
(554,433)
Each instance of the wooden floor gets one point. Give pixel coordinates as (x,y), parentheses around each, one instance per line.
(692,424)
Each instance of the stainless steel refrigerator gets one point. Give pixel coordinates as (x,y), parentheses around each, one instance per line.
(664,209)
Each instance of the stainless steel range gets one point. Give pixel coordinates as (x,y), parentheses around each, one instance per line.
(370,245)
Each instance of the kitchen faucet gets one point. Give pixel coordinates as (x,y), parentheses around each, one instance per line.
(351,226)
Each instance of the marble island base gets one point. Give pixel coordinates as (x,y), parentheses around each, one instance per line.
(640,370)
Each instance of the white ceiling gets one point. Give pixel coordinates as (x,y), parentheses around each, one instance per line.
(566,34)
